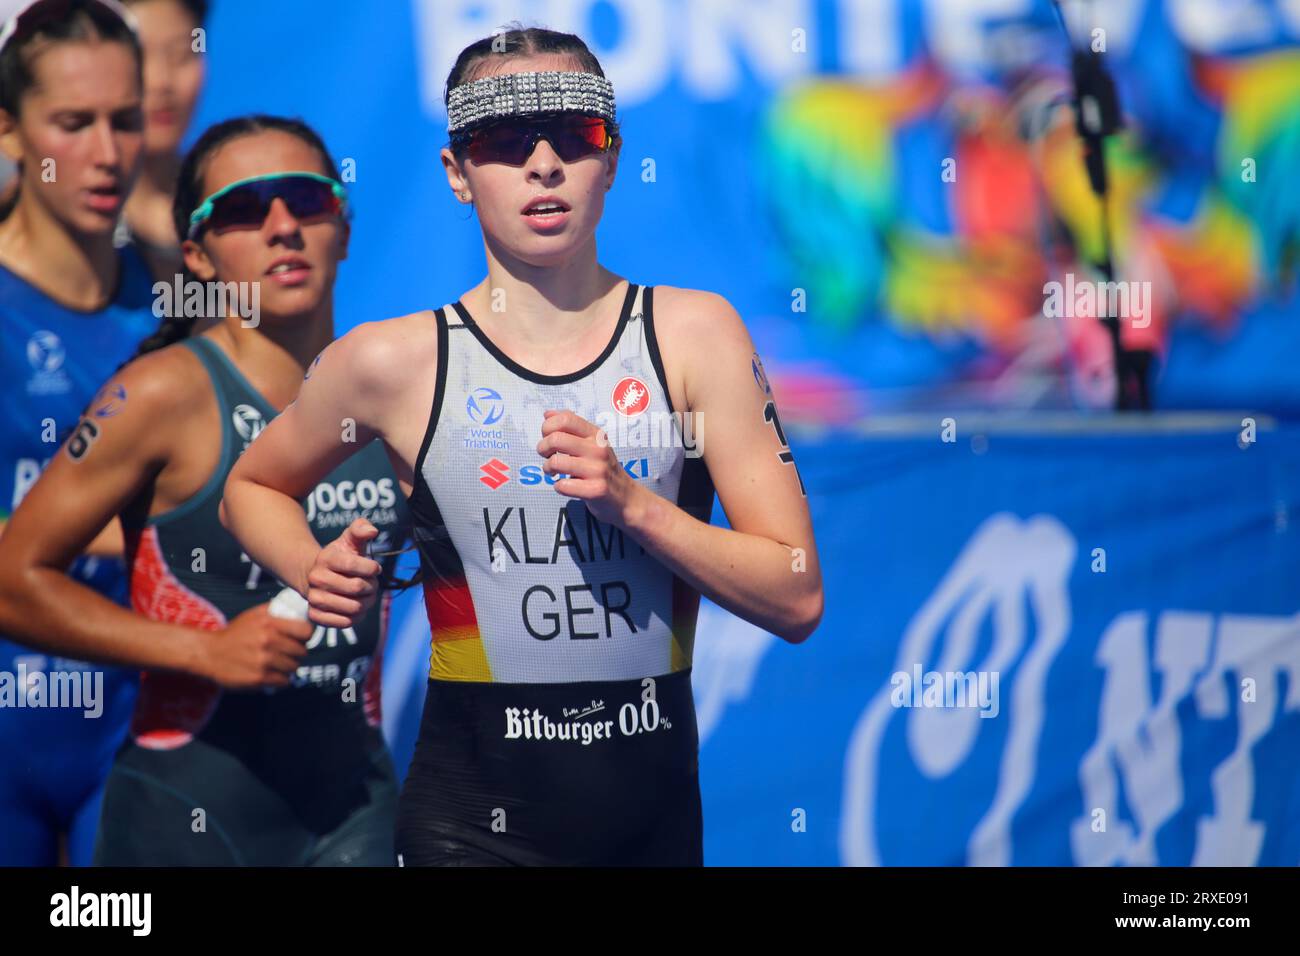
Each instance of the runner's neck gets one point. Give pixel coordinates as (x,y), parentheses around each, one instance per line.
(80,272)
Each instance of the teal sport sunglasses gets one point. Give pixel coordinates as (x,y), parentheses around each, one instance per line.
(245,203)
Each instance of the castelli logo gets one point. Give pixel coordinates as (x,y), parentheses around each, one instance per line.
(631,397)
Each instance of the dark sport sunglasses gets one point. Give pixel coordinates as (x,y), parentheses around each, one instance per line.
(245,203)
(512,141)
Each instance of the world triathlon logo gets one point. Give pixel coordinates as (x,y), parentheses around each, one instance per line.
(46,355)
(485,406)
(45,351)
(108,401)
(248,422)
(760,375)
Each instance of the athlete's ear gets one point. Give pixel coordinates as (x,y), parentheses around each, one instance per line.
(345,236)
(197,261)
(9,140)
(455,174)
(612,171)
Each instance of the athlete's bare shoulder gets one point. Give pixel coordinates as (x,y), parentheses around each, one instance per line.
(169,381)
(381,374)
(695,330)
(676,300)
(702,316)
(145,406)
(382,358)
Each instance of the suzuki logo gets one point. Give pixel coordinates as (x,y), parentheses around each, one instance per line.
(494,473)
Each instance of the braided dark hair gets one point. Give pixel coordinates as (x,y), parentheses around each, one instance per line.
(189,193)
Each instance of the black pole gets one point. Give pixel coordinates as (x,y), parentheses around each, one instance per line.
(1096,116)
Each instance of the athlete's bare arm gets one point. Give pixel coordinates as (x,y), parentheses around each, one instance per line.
(375,382)
(107,544)
(104,465)
(764,568)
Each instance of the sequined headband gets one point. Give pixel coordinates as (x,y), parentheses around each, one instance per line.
(519,94)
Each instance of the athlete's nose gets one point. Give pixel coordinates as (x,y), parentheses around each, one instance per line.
(279,220)
(157,76)
(544,162)
(107,153)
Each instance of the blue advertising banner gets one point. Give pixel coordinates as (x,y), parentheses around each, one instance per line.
(1039,648)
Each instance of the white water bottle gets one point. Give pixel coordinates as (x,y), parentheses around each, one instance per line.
(288,604)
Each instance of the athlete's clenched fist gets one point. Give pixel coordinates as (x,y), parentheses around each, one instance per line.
(343,583)
(574,447)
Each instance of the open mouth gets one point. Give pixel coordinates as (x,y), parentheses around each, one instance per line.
(104,198)
(546,206)
(547,214)
(289,270)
